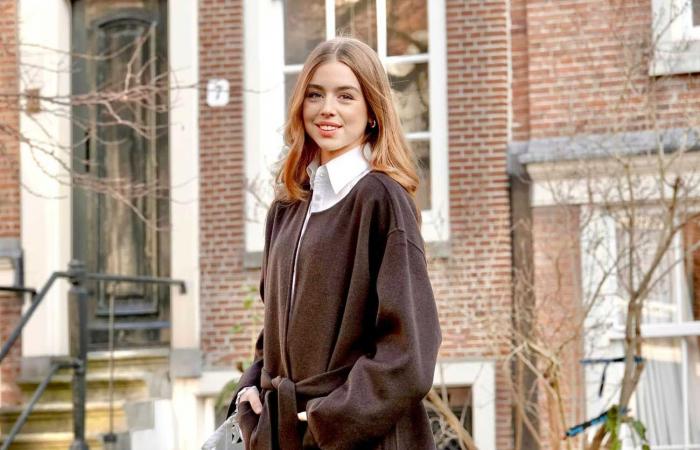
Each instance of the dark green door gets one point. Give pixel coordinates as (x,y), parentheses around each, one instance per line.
(120,149)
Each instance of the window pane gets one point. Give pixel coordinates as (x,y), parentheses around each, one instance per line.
(694,388)
(304,28)
(357,19)
(409,82)
(659,394)
(696,13)
(290,80)
(407,27)
(459,400)
(422,152)
(660,303)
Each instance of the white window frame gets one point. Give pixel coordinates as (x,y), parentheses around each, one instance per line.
(481,377)
(264,71)
(677,47)
(610,342)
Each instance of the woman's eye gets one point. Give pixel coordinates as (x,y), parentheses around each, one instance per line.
(313,95)
(346,96)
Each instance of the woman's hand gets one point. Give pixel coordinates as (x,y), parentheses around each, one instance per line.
(252,396)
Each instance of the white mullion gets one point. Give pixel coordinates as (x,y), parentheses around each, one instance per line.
(292,68)
(680,295)
(678,273)
(437,85)
(381,30)
(330,19)
(409,59)
(418,136)
(684,391)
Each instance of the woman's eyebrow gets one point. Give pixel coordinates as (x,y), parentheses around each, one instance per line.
(339,88)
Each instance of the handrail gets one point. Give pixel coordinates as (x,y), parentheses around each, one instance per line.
(77,276)
(36,301)
(18,289)
(137,279)
(37,297)
(22,419)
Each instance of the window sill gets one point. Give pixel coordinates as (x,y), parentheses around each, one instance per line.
(673,58)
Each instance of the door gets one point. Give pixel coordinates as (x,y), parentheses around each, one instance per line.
(120,147)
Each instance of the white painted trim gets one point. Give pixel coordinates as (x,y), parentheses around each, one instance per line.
(481,376)
(45,206)
(381,30)
(7,272)
(684,391)
(183,53)
(662,330)
(292,68)
(678,41)
(558,183)
(194,400)
(263,101)
(436,222)
(408,59)
(418,136)
(330,19)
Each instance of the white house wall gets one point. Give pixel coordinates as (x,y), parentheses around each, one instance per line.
(45,201)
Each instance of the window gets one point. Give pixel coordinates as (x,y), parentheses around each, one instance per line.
(667,399)
(676,31)
(408,35)
(471,394)
(460,403)
(668,396)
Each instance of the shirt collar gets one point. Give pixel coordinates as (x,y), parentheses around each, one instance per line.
(343,169)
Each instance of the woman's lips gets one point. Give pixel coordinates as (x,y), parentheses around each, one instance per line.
(327,131)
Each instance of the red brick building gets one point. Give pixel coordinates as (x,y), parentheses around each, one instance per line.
(496,98)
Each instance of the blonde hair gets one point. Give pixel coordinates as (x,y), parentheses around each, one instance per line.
(390,151)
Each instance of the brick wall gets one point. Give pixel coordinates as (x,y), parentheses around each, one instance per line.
(9,189)
(558,315)
(223,279)
(473,285)
(588,70)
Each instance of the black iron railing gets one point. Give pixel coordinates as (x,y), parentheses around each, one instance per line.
(78,296)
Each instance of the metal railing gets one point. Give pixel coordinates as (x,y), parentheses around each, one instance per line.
(78,296)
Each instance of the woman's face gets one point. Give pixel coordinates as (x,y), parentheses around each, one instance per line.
(335,112)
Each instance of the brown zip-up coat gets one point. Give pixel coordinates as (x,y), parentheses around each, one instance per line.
(356,348)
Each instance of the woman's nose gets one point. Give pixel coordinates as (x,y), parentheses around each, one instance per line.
(328,108)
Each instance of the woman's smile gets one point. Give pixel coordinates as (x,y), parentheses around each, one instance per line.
(328,129)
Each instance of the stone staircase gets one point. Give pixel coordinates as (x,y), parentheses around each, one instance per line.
(139,377)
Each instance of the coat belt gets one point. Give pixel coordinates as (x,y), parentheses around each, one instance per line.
(286,392)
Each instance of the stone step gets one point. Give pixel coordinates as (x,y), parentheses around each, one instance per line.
(58,417)
(154,360)
(137,360)
(127,386)
(51,441)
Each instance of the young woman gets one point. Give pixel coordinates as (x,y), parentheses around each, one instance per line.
(351,332)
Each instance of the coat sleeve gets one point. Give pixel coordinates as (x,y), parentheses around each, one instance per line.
(251,376)
(382,387)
